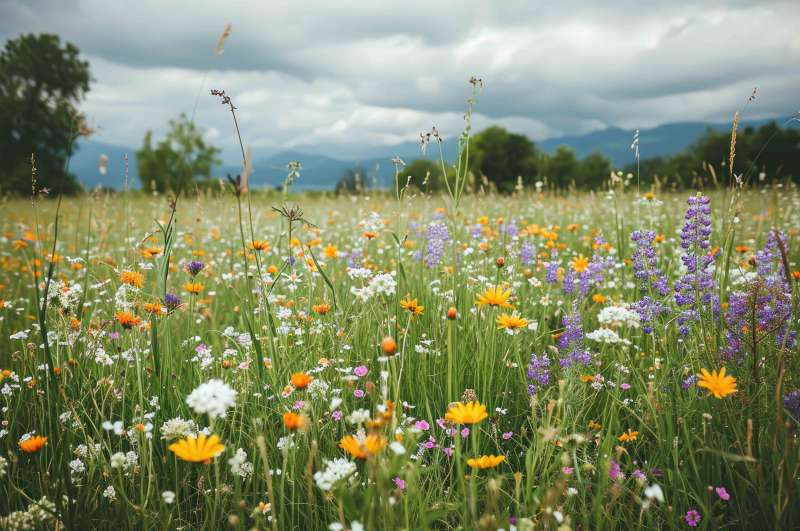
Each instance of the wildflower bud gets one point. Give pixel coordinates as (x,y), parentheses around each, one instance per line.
(528,273)
(500,262)
(452,313)
(226,364)
(469,396)
(233,520)
(388,345)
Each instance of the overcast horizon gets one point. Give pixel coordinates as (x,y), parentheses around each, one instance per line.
(318,77)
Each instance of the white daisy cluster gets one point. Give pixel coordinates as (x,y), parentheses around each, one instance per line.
(380,284)
(239,464)
(214,397)
(334,471)
(608,336)
(178,428)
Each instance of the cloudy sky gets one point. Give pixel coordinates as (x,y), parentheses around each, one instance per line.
(344,76)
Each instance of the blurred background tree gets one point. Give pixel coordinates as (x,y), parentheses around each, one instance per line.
(179,162)
(503,157)
(353,180)
(41,85)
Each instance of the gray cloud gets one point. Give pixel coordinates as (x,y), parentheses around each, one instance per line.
(358,73)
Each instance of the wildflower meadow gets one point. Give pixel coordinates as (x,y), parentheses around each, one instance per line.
(397,360)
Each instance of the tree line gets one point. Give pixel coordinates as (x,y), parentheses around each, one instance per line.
(42,83)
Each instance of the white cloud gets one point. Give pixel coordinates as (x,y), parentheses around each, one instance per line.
(360,73)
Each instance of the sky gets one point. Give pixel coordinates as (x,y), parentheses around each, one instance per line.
(343,77)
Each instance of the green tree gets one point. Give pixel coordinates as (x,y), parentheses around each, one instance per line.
(179,161)
(503,157)
(352,181)
(562,167)
(593,171)
(41,84)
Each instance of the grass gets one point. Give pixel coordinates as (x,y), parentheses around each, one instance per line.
(300,306)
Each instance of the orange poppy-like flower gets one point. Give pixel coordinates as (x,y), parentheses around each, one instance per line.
(127,319)
(796,275)
(486,461)
(154,307)
(742,249)
(389,345)
(470,413)
(300,380)
(363,448)
(132,278)
(193,287)
(628,436)
(293,421)
(32,444)
(321,309)
(200,449)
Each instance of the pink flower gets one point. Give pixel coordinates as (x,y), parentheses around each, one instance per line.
(464,433)
(399,483)
(625,386)
(360,371)
(358,393)
(722,493)
(507,435)
(336,415)
(422,425)
(692,518)
(567,470)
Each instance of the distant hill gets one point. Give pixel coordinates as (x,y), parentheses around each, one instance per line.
(322,171)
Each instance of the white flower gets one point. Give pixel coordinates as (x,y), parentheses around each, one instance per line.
(239,465)
(397,448)
(338,469)
(118,460)
(178,428)
(359,416)
(654,493)
(214,397)
(618,316)
(3,466)
(168,496)
(77,466)
(606,335)
(109,492)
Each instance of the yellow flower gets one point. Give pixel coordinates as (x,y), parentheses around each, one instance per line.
(412,306)
(127,319)
(471,413)
(260,245)
(494,297)
(628,436)
(718,385)
(32,444)
(486,461)
(361,449)
(200,449)
(511,322)
(331,251)
(579,264)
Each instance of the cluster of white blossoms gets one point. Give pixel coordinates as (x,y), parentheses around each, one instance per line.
(334,471)
(239,464)
(178,428)
(606,335)
(380,284)
(618,316)
(214,397)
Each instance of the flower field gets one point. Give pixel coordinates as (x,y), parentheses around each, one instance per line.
(534,361)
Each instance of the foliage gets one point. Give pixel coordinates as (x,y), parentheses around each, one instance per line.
(353,180)
(179,162)
(41,85)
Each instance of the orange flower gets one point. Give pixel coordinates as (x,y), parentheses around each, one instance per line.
(412,306)
(293,421)
(452,313)
(389,345)
(154,307)
(628,436)
(598,298)
(331,251)
(579,264)
(132,278)
(471,413)
(151,252)
(32,444)
(260,245)
(321,309)
(127,319)
(300,380)
(368,234)
(486,461)
(742,249)
(361,449)
(193,287)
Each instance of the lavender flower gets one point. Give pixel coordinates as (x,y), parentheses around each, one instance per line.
(539,372)
(645,263)
(791,401)
(194,267)
(526,253)
(437,235)
(572,341)
(695,288)
(649,310)
(171,301)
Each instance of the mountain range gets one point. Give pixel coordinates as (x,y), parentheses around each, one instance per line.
(322,171)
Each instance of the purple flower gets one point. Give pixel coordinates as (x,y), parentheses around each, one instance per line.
(791,401)
(614,471)
(538,372)
(437,235)
(399,483)
(526,253)
(360,371)
(551,276)
(464,433)
(194,267)
(648,310)
(171,301)
(337,415)
(358,393)
(692,518)
(448,451)
(645,263)
(422,425)
(689,381)
(572,341)
(722,493)
(507,435)
(694,291)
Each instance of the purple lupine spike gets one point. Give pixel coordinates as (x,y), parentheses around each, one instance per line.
(694,290)
(538,372)
(437,235)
